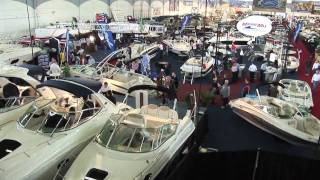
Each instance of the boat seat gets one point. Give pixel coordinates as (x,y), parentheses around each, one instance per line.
(312,127)
(150,109)
(308,126)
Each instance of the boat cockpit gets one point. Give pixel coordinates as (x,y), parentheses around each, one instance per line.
(139,131)
(15,92)
(62,112)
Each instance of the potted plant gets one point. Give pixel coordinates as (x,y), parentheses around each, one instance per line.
(207,98)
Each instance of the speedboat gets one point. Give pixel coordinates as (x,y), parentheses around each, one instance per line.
(53,131)
(143,141)
(179,47)
(17,91)
(17,54)
(119,79)
(296,91)
(196,68)
(279,118)
(138,49)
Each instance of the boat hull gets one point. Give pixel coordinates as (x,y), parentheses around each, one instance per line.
(260,123)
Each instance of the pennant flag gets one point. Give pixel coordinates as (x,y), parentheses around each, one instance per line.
(185,22)
(298,29)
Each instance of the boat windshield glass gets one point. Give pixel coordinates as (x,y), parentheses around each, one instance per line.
(133,139)
(56,115)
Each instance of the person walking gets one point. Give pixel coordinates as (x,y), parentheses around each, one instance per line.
(252,70)
(241,56)
(235,72)
(225,93)
(263,69)
(315,80)
(316,65)
(246,88)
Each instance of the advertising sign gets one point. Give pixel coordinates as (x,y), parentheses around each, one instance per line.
(301,6)
(255,26)
(269,5)
(316,8)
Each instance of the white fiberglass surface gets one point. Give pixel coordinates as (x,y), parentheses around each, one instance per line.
(133,139)
(60,114)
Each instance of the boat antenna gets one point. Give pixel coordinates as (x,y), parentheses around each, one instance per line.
(257,90)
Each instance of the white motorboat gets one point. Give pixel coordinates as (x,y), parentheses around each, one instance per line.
(143,141)
(17,92)
(280,118)
(138,49)
(296,91)
(179,47)
(52,132)
(119,79)
(194,66)
(17,54)
(60,29)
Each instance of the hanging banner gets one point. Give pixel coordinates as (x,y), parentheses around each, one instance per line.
(269,5)
(255,26)
(302,6)
(239,3)
(298,29)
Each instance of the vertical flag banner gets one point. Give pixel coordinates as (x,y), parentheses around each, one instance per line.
(185,22)
(109,39)
(298,29)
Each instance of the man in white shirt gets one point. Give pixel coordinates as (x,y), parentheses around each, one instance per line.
(54,69)
(210,49)
(315,80)
(104,88)
(252,70)
(263,68)
(316,65)
(161,50)
(91,60)
(273,56)
(241,56)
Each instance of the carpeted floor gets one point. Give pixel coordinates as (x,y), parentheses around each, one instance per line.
(301,75)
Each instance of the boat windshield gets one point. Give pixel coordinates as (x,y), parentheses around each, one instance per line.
(133,139)
(85,69)
(56,115)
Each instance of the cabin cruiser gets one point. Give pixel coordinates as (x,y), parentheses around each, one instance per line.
(53,131)
(296,91)
(194,66)
(179,47)
(17,90)
(142,140)
(17,54)
(279,118)
(119,79)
